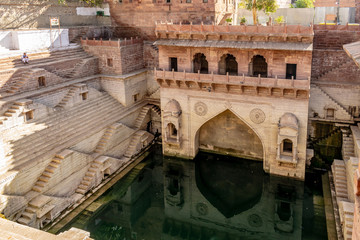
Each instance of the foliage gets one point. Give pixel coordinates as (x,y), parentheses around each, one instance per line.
(280,19)
(228,20)
(303,4)
(89,2)
(268,6)
(243,20)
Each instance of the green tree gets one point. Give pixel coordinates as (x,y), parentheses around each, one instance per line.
(267,6)
(303,4)
(89,2)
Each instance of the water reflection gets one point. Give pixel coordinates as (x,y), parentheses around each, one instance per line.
(211,198)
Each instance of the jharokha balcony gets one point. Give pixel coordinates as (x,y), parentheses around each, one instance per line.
(275,33)
(260,86)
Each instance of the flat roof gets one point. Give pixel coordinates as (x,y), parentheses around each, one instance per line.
(300,46)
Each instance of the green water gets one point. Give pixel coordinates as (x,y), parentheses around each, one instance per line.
(212,198)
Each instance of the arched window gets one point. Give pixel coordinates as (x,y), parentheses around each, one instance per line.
(258,66)
(287,146)
(200,63)
(228,64)
(171,131)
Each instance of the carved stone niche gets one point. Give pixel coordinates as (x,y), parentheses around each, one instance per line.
(172,123)
(288,132)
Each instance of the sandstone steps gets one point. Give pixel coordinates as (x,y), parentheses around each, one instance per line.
(63,128)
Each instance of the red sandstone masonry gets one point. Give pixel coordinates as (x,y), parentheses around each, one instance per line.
(125,56)
(328,54)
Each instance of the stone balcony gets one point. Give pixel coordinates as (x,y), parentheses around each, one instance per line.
(259,86)
(275,33)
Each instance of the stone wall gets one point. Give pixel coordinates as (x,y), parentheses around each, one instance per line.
(16,14)
(117,57)
(328,54)
(140,16)
(198,107)
(124,88)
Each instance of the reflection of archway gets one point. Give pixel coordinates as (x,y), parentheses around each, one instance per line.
(228,134)
(200,63)
(228,64)
(258,66)
(231,186)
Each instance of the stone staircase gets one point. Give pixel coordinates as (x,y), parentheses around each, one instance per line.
(100,147)
(40,187)
(347,148)
(156,109)
(34,208)
(140,118)
(49,171)
(63,129)
(68,96)
(347,68)
(346,212)
(340,182)
(88,180)
(19,82)
(342,111)
(44,58)
(131,150)
(334,70)
(12,115)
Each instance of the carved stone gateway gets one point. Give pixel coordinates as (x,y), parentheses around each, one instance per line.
(172,123)
(287,140)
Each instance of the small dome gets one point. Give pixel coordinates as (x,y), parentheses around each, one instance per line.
(173,107)
(289,120)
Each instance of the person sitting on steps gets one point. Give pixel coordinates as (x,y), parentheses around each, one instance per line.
(25,58)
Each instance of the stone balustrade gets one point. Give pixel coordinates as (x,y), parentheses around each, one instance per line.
(270,86)
(111,43)
(295,33)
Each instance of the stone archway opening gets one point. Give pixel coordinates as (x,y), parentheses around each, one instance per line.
(228,64)
(228,134)
(258,66)
(200,63)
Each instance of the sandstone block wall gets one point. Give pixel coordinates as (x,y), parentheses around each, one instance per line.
(328,54)
(125,87)
(140,16)
(115,58)
(193,118)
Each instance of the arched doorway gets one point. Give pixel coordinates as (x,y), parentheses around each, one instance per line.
(200,63)
(228,64)
(258,66)
(228,134)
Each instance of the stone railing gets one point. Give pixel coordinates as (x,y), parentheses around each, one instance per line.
(348,27)
(233,80)
(163,29)
(111,43)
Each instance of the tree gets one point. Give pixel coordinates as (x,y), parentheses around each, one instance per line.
(267,6)
(89,2)
(303,4)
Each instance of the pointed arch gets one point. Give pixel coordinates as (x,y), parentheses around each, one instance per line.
(228,133)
